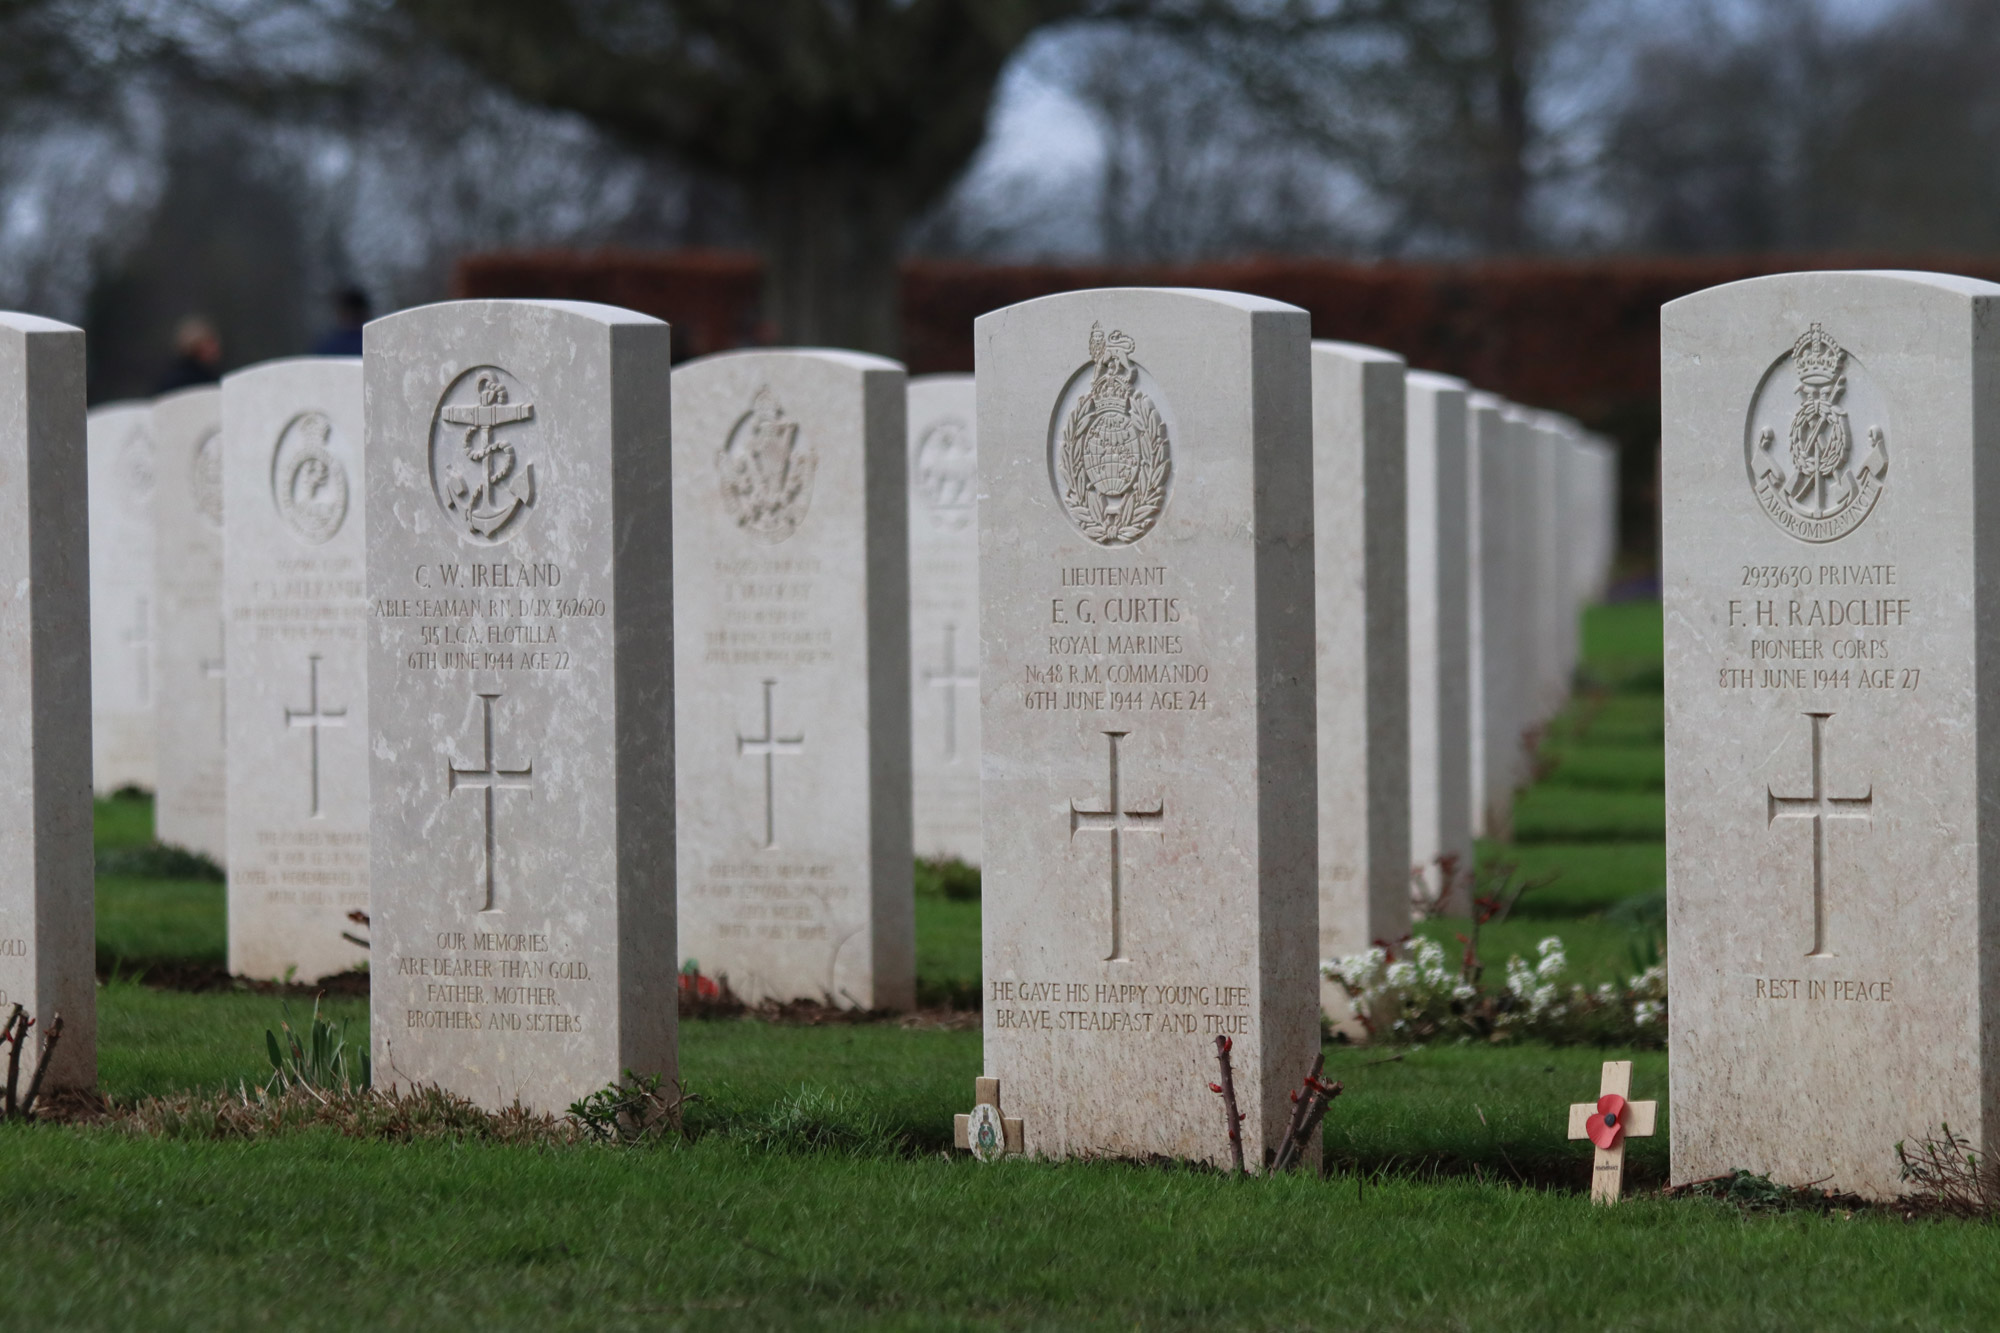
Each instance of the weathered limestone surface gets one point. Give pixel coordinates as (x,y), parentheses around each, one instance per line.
(1359,525)
(191,796)
(1831,467)
(944,617)
(123,731)
(520,698)
(295,609)
(1146,683)
(47,897)
(791,505)
(1439,617)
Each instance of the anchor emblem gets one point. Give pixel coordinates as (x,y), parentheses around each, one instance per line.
(476,473)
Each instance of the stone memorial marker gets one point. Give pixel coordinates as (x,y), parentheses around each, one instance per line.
(793,670)
(1607,1123)
(295,603)
(191,795)
(1829,440)
(123,729)
(47,903)
(520,699)
(944,617)
(1439,567)
(1542,565)
(1496,667)
(1146,685)
(1359,527)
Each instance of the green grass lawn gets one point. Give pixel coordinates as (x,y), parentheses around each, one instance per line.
(818,1191)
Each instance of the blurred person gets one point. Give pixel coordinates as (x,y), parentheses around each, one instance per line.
(197,355)
(350,311)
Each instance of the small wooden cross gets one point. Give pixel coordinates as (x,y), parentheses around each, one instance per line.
(1607,1123)
(986,1134)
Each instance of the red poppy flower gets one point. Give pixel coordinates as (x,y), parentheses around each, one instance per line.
(1607,1126)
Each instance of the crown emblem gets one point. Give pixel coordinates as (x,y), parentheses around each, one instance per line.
(1817,358)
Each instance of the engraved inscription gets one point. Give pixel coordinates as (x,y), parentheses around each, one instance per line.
(770,745)
(487,779)
(1110,445)
(949,678)
(313,717)
(308,480)
(1814,487)
(766,470)
(1136,1009)
(1117,820)
(483,479)
(1821,809)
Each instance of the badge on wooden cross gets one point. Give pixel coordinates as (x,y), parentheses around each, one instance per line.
(1607,1122)
(986,1134)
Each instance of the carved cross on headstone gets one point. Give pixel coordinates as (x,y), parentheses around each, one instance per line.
(313,717)
(487,779)
(770,745)
(1821,809)
(213,668)
(1607,1123)
(986,1133)
(949,679)
(1117,820)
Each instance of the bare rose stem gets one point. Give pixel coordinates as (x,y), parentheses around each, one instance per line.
(1228,1090)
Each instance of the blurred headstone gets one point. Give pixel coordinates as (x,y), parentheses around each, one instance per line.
(295,601)
(1439,568)
(190,806)
(123,730)
(47,897)
(792,665)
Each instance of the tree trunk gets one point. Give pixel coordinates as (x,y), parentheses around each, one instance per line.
(832,235)
(1507,226)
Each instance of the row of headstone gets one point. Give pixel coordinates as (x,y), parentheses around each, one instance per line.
(472,652)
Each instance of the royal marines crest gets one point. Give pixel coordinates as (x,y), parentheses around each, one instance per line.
(1110,456)
(481,430)
(766,470)
(944,469)
(205,479)
(1807,473)
(308,482)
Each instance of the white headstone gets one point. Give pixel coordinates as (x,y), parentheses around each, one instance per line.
(944,617)
(520,699)
(123,729)
(1146,585)
(190,800)
(1831,444)
(295,602)
(47,906)
(1503,613)
(1360,530)
(790,527)
(1439,568)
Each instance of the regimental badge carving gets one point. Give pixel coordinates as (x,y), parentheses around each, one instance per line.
(135,465)
(308,481)
(205,479)
(1110,452)
(944,468)
(766,470)
(1805,468)
(481,437)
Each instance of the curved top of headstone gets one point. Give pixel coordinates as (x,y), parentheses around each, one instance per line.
(26,323)
(946,378)
(188,395)
(119,406)
(1238,300)
(593,311)
(279,364)
(1355,351)
(1431,379)
(836,355)
(1946,282)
